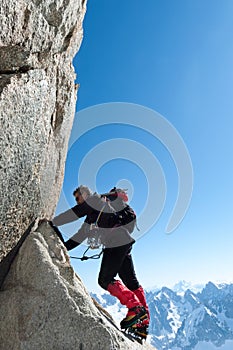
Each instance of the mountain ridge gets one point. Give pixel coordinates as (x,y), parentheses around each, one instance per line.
(182,319)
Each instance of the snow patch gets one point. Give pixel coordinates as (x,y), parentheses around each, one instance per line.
(175,322)
(229,321)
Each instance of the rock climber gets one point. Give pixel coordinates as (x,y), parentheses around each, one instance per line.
(117,258)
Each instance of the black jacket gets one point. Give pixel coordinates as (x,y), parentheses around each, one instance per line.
(94,208)
(91,208)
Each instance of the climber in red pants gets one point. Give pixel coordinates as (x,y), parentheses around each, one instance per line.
(117,259)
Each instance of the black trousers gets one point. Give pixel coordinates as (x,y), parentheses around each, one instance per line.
(118,260)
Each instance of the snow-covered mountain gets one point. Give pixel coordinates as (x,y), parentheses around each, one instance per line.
(185,319)
(182,286)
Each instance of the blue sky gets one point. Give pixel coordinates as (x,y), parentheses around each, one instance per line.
(176,58)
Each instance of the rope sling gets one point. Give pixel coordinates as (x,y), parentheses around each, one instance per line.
(85,257)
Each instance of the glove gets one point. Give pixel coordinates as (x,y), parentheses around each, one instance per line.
(70,244)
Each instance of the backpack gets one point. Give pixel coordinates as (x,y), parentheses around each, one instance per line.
(127,217)
(124,213)
(102,214)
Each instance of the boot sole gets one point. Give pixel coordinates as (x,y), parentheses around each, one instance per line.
(140,331)
(138,335)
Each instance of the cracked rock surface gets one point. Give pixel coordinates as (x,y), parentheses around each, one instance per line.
(38,39)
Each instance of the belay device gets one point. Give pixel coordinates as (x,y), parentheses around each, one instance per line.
(117,198)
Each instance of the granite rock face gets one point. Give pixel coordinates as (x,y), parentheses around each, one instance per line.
(38,39)
(44,304)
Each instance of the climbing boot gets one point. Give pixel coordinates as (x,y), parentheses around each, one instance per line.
(133,316)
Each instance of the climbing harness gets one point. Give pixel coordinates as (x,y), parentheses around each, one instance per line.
(94,240)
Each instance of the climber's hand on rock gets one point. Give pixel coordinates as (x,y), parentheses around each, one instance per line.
(42,221)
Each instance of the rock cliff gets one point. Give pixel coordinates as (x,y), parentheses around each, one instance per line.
(45,306)
(38,39)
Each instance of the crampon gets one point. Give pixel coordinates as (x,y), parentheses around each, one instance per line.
(139,330)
